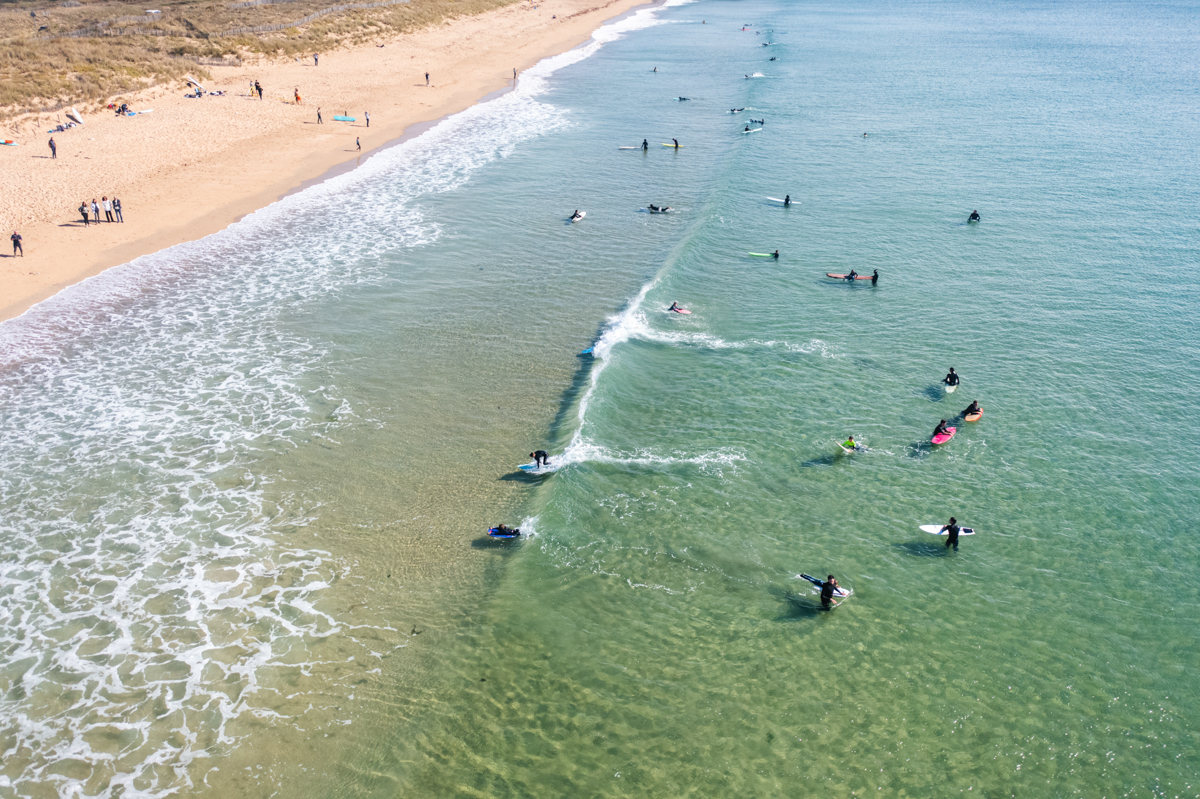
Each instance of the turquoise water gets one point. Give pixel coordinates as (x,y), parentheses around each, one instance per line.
(247,479)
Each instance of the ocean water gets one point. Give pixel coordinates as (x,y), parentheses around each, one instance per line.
(246,480)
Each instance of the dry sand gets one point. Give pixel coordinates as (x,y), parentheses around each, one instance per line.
(194,166)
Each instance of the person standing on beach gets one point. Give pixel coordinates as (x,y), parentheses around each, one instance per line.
(368,116)
(53,148)
(426,78)
(357,143)
(316,62)
(514,73)
(258,88)
(319,122)
(16,240)
(83,210)
(297,95)
(108,217)
(117,209)
(95,211)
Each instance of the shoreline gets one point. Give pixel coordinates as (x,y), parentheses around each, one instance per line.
(206,163)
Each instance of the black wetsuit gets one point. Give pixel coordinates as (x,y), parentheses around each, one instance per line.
(787,200)
(974,217)
(952,536)
(940,430)
(540,458)
(645,145)
(875,277)
(826,594)
(853,276)
(951,379)
(972,408)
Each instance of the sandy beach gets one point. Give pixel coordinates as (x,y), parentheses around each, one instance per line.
(192,166)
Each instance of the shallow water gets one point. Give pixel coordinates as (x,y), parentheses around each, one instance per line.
(246,479)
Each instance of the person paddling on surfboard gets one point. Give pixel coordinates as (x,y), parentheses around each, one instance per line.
(540,458)
(951,379)
(827,589)
(951,531)
(940,430)
(576,215)
(974,217)
(850,443)
(675,307)
(972,408)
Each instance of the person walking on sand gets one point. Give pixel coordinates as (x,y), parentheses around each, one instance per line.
(108,217)
(16,240)
(53,148)
(117,209)
(367,114)
(319,122)
(426,78)
(83,211)
(95,211)
(357,143)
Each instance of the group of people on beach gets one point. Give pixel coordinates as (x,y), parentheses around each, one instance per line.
(111,208)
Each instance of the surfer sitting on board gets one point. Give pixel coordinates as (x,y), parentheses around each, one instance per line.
(540,458)
(853,276)
(951,531)
(951,379)
(974,217)
(827,589)
(972,408)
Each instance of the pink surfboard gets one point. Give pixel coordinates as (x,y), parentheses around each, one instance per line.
(680,310)
(942,439)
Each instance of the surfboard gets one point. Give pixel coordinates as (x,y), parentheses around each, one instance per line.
(752,130)
(340,118)
(531,468)
(582,214)
(588,351)
(494,532)
(974,417)
(942,439)
(843,277)
(629,148)
(781,200)
(10,144)
(936,529)
(679,310)
(840,592)
(951,389)
(762,254)
(848,451)
(676,146)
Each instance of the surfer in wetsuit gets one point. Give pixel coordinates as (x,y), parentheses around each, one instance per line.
(503,530)
(787,200)
(645,145)
(540,458)
(827,589)
(875,277)
(676,143)
(974,217)
(850,443)
(951,531)
(951,379)
(940,430)
(674,307)
(973,408)
(747,130)
(775,255)
(576,215)
(853,276)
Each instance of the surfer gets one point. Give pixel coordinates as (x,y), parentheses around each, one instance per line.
(850,443)
(654,70)
(827,589)
(654,209)
(974,217)
(941,429)
(576,215)
(540,458)
(505,530)
(747,130)
(972,408)
(875,277)
(951,379)
(787,200)
(676,141)
(853,276)
(645,145)
(775,255)
(675,307)
(16,241)
(951,531)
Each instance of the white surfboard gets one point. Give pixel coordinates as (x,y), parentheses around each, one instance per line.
(848,451)
(629,148)
(582,214)
(950,389)
(780,200)
(936,529)
(533,468)
(752,130)
(74,116)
